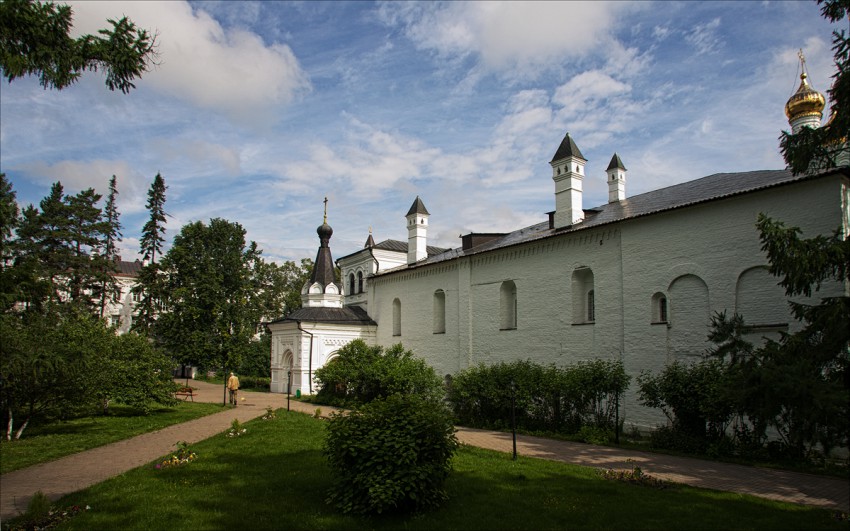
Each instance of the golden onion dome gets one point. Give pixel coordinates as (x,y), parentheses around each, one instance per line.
(805,102)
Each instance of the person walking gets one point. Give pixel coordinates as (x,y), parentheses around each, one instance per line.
(233,387)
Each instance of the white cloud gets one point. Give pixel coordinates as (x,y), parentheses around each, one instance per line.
(595,106)
(203,63)
(660,32)
(369,162)
(704,38)
(506,35)
(203,157)
(79,175)
(588,89)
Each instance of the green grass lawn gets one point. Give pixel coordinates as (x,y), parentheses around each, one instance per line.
(51,441)
(276,477)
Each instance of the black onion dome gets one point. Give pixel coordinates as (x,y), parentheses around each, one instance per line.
(324,231)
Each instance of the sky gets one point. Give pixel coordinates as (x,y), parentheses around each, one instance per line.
(255,112)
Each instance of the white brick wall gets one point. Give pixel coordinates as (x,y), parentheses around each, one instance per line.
(695,255)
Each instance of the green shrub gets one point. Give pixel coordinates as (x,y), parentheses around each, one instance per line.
(595,435)
(547,398)
(360,373)
(694,399)
(392,455)
(255,382)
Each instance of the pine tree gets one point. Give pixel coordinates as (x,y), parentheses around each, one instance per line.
(9,220)
(149,284)
(86,239)
(35,40)
(112,235)
(48,233)
(153,233)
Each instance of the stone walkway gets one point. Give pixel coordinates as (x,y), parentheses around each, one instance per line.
(74,472)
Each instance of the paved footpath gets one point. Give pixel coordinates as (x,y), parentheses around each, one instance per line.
(78,471)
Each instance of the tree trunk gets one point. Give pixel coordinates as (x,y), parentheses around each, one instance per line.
(9,426)
(21,429)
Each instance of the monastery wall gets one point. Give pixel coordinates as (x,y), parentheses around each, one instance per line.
(707,259)
(701,259)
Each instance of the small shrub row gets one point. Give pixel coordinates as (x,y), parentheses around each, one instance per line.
(547,398)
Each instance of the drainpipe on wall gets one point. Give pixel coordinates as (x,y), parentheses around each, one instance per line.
(310,360)
(377,265)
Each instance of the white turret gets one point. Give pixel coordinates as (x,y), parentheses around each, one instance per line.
(616,180)
(417,232)
(568,172)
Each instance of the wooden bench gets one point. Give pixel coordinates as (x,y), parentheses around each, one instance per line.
(186,393)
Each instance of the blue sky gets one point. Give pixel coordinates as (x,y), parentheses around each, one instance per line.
(257,111)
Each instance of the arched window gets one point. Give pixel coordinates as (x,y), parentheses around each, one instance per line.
(689,316)
(659,308)
(360,282)
(351,284)
(584,296)
(761,300)
(439,312)
(508,306)
(396,317)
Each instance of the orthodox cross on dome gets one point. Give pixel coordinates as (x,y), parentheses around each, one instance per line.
(326,209)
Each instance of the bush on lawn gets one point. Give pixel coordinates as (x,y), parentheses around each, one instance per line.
(391,455)
(360,373)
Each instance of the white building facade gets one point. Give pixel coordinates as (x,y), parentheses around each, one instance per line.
(636,279)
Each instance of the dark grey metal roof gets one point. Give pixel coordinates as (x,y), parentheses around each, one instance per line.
(615,163)
(354,315)
(711,188)
(418,207)
(401,247)
(568,148)
(323,267)
(397,246)
(128,269)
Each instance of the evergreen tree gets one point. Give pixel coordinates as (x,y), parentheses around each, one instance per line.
(153,233)
(86,238)
(45,243)
(112,235)
(149,287)
(9,220)
(34,40)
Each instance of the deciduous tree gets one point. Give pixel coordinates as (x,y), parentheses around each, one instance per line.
(207,289)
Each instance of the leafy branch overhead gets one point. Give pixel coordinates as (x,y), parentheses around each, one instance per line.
(35,40)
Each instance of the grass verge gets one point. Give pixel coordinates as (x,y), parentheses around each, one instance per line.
(275,477)
(58,439)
